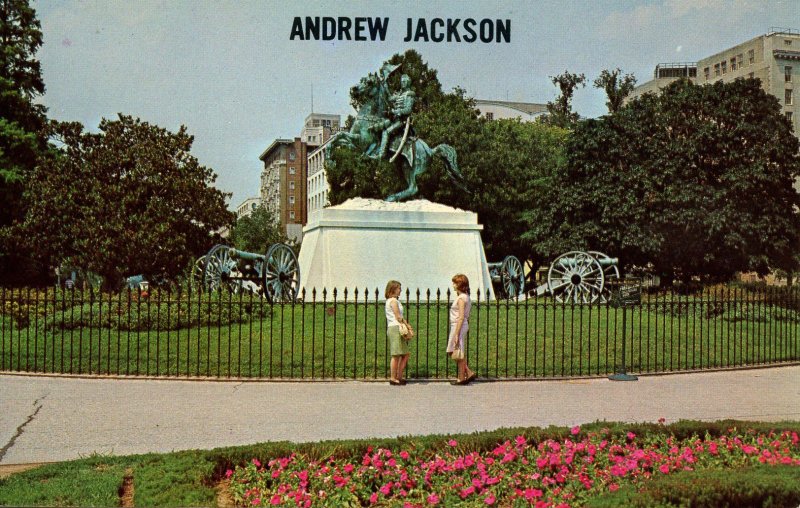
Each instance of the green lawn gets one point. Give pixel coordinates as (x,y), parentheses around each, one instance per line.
(327,340)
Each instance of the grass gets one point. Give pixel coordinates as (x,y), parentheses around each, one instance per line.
(327,340)
(190,478)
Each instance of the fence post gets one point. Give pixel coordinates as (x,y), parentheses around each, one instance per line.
(624,296)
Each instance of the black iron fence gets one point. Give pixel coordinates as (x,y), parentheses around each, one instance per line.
(342,334)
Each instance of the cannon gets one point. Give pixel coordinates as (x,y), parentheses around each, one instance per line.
(274,275)
(508,277)
(580,277)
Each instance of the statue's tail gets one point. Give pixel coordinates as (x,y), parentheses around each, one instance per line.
(448,153)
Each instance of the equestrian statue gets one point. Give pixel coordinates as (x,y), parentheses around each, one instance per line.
(382,128)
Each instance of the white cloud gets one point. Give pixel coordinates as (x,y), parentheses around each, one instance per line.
(619,24)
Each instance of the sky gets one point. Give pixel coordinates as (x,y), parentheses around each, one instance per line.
(230,73)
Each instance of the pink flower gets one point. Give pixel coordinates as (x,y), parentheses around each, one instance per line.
(452,442)
(373,498)
(531,494)
(613,487)
(228,473)
(575,430)
(255,501)
(664,468)
(490,499)
(631,436)
(433,499)
(276,499)
(404,455)
(256,463)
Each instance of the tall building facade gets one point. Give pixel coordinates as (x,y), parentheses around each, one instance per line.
(317,183)
(283,184)
(284,178)
(773,58)
(663,75)
(247,207)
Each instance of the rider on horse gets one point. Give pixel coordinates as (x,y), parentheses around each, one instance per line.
(402,103)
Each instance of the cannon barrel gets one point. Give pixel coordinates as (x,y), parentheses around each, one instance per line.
(571,262)
(250,256)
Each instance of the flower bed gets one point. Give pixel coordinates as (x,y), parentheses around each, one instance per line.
(550,473)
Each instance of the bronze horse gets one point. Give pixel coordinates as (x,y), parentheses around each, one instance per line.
(365,136)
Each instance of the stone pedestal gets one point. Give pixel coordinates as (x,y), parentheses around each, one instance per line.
(363,243)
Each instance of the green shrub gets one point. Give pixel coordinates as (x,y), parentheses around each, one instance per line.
(766,486)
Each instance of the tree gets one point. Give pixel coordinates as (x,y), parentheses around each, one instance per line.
(617,87)
(21,121)
(257,231)
(697,181)
(559,113)
(128,200)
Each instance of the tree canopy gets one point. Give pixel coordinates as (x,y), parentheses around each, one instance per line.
(616,86)
(696,181)
(21,120)
(128,200)
(257,231)
(559,112)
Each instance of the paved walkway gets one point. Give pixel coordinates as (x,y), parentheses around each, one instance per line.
(45,419)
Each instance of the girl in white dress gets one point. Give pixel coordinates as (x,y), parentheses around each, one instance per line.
(459,326)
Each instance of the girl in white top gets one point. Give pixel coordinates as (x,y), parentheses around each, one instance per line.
(459,326)
(398,346)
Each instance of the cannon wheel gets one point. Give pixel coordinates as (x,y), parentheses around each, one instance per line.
(217,269)
(609,272)
(198,268)
(512,277)
(281,274)
(576,277)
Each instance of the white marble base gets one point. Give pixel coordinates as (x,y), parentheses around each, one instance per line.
(363,243)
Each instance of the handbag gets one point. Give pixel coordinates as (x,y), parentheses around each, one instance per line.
(405,331)
(457,354)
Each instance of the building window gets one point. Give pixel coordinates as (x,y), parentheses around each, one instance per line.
(787,73)
(292,155)
(716,69)
(291,200)
(751,56)
(724,67)
(291,185)
(291,170)
(740,60)
(490,116)
(788,97)
(291,215)
(706,73)
(789,116)
(733,63)
(787,42)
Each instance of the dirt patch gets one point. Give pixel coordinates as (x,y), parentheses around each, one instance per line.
(126,490)
(9,469)
(224,497)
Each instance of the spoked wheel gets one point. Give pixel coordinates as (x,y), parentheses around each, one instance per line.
(610,272)
(512,277)
(576,277)
(219,268)
(198,268)
(281,274)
